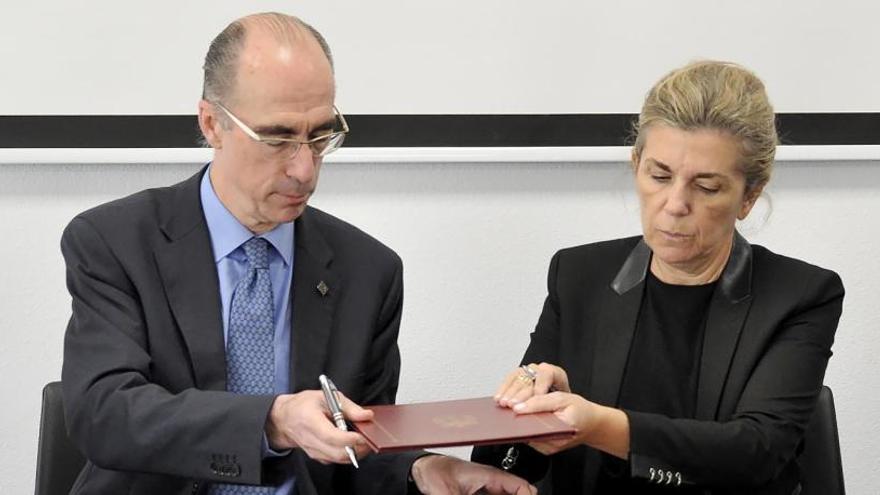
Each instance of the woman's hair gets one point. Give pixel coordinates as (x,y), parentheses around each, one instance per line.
(721,96)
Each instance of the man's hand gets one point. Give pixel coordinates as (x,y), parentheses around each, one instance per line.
(442,475)
(302,421)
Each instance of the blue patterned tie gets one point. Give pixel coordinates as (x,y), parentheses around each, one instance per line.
(250,355)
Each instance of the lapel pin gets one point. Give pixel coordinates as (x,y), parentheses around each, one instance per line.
(322,288)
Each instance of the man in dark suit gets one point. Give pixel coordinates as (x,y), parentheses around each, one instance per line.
(204,312)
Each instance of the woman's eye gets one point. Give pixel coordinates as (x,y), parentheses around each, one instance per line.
(709,189)
(274,142)
(660,178)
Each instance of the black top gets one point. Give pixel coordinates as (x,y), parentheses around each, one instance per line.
(662,370)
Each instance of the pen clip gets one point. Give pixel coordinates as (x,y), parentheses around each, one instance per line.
(333,388)
(331,396)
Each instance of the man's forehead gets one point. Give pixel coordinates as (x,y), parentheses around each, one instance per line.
(293,86)
(294,44)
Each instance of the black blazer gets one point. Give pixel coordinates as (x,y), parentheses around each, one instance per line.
(768,337)
(144,372)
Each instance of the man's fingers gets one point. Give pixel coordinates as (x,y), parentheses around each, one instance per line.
(527,489)
(326,433)
(334,451)
(362,450)
(303,417)
(352,411)
(500,482)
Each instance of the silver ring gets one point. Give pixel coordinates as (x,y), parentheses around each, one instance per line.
(531,373)
(525,379)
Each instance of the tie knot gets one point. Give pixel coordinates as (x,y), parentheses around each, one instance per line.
(256,250)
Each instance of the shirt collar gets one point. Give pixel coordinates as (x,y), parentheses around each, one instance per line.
(227,233)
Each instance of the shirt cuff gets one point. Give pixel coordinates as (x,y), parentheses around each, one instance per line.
(268,452)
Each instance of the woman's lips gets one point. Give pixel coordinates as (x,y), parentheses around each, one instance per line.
(676,236)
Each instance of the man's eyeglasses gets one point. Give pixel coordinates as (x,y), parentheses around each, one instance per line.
(321,145)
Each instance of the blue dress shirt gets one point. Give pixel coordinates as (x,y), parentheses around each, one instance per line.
(227,237)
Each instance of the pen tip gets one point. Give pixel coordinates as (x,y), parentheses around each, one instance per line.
(352,457)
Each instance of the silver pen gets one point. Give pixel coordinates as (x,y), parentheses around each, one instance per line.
(332,400)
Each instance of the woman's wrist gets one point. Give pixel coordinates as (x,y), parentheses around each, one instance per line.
(607,430)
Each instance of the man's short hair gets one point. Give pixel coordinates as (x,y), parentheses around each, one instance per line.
(222,57)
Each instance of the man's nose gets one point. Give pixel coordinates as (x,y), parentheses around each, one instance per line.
(302,164)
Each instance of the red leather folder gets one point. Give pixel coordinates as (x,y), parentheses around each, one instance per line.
(456,422)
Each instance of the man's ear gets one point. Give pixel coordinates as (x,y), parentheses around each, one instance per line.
(749,201)
(209,124)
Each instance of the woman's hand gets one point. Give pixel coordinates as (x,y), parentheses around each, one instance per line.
(600,427)
(518,386)
(572,409)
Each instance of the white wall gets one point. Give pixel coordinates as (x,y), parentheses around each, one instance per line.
(449,56)
(476,240)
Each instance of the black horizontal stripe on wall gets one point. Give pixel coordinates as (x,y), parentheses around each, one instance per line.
(371,131)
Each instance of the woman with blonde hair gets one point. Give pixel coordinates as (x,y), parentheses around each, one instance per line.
(687,359)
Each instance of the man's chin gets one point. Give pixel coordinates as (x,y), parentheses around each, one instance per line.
(291,213)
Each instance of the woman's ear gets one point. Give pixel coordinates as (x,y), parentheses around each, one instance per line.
(749,200)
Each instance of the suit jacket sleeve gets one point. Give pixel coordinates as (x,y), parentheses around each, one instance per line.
(116,413)
(385,473)
(761,437)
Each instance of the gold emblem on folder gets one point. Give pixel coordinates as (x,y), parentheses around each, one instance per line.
(455,421)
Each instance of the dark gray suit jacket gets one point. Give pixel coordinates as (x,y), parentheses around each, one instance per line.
(768,337)
(144,372)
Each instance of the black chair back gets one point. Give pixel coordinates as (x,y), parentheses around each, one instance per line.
(58,461)
(821,468)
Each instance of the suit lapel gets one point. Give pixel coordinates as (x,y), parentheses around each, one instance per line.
(188,273)
(315,292)
(727,313)
(618,320)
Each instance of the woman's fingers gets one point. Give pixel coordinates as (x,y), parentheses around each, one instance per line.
(509,380)
(527,381)
(551,402)
(517,387)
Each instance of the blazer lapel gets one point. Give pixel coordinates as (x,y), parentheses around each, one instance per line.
(727,313)
(315,292)
(617,326)
(186,266)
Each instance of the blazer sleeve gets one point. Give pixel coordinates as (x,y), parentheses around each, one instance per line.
(760,439)
(386,473)
(116,414)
